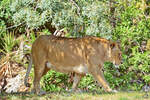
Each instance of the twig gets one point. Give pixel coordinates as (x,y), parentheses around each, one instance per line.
(55,33)
(78,8)
(14,26)
(58,32)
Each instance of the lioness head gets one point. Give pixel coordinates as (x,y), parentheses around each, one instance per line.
(115,54)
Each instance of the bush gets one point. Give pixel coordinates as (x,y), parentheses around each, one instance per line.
(55,81)
(88,18)
(133,31)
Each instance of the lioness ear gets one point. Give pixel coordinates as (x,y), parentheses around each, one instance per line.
(112,45)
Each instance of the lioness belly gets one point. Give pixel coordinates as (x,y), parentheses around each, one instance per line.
(81,69)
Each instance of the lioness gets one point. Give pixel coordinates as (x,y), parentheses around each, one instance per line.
(78,55)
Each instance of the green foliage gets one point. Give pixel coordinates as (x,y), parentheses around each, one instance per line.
(118,78)
(133,31)
(46,32)
(5,15)
(88,83)
(55,81)
(33,37)
(8,42)
(89,18)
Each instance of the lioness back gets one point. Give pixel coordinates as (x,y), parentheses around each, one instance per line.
(66,54)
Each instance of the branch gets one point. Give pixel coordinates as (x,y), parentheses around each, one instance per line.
(15,26)
(78,8)
(59,33)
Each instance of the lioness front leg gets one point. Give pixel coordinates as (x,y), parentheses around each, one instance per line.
(76,81)
(101,80)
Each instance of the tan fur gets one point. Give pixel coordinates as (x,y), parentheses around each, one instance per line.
(78,55)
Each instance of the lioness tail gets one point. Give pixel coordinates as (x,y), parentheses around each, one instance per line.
(27,73)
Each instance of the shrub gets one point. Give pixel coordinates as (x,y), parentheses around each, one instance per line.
(133,31)
(86,18)
(55,81)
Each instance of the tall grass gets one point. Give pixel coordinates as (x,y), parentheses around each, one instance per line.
(8,42)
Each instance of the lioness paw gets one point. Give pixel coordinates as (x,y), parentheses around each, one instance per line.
(114,91)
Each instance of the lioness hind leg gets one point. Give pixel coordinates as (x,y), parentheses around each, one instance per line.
(38,73)
(101,80)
